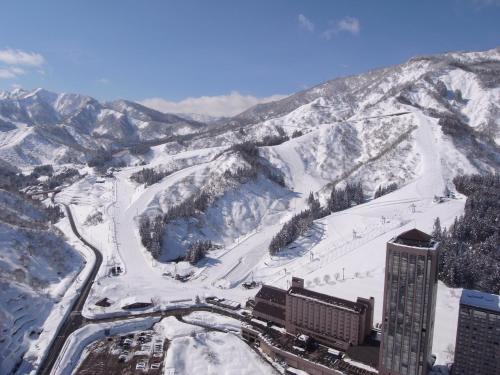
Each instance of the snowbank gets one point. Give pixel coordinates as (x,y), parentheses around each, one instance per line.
(71,353)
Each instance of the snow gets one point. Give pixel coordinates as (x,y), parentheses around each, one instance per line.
(172,328)
(481,300)
(329,248)
(346,136)
(193,350)
(38,282)
(214,320)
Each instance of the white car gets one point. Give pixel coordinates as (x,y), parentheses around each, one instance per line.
(155,366)
(140,366)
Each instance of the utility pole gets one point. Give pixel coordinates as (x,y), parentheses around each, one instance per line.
(343,275)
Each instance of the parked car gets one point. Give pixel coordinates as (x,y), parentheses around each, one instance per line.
(140,366)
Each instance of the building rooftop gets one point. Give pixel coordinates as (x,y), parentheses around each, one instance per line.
(272,294)
(415,238)
(325,298)
(481,300)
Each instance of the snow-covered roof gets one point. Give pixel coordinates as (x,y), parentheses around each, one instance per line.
(481,300)
(134,299)
(415,238)
(338,303)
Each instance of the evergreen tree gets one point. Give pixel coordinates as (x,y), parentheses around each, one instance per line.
(436,231)
(470,256)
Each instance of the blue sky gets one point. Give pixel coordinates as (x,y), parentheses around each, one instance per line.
(233,53)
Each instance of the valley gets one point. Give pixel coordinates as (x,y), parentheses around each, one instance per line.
(387,126)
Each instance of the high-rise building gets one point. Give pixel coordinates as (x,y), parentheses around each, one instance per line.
(410,287)
(477,349)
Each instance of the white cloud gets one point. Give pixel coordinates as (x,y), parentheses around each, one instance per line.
(347,24)
(305,23)
(18,57)
(222,105)
(6,74)
(486,3)
(104,81)
(11,72)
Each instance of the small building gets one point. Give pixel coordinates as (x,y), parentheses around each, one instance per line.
(225,303)
(477,348)
(270,304)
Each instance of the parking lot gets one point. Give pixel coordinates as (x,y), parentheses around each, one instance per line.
(135,353)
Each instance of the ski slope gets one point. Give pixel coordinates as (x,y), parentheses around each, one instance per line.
(343,254)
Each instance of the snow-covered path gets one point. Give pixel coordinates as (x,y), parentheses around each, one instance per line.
(126,208)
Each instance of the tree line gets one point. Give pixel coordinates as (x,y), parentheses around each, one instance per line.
(297,226)
(383,190)
(470,248)
(249,151)
(151,233)
(198,250)
(149,176)
(340,199)
(14,181)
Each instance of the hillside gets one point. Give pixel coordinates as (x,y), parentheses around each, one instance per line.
(377,128)
(366,128)
(36,267)
(236,182)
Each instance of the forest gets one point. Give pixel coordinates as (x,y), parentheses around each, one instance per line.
(149,176)
(470,248)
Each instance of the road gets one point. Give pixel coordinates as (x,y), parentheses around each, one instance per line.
(74,318)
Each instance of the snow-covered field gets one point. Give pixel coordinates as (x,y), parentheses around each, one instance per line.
(214,320)
(193,350)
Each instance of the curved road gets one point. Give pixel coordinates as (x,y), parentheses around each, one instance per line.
(74,318)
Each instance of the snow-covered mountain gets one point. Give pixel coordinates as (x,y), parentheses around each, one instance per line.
(206,119)
(365,126)
(378,128)
(417,124)
(39,126)
(394,125)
